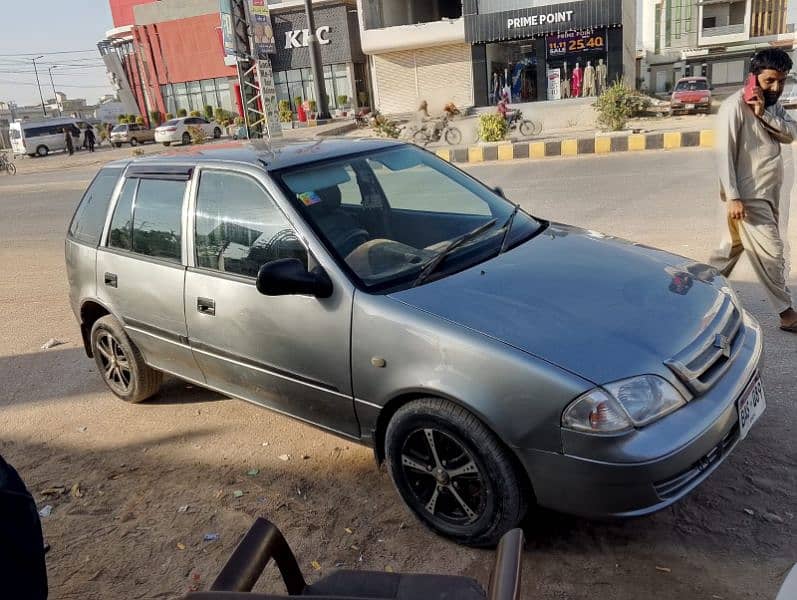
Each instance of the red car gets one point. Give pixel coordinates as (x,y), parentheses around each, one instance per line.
(691,94)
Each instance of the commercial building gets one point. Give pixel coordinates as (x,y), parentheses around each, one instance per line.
(169,55)
(465,52)
(712,38)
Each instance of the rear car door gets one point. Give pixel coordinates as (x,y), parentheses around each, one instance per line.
(140,271)
(289,353)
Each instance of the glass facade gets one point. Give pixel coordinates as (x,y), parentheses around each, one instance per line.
(195,95)
(298,83)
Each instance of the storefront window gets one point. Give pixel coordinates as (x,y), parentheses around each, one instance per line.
(180,97)
(223,93)
(195,95)
(209,93)
(299,83)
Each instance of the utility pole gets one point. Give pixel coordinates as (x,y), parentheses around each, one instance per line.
(319,85)
(52,83)
(35,70)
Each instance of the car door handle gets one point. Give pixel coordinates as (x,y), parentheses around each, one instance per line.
(110,280)
(206,306)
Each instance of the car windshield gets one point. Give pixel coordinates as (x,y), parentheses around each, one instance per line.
(387,215)
(119,129)
(691,86)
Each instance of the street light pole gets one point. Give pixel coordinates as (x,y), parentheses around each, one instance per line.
(315,64)
(52,83)
(35,70)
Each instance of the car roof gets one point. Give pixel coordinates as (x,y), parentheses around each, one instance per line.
(695,78)
(271,157)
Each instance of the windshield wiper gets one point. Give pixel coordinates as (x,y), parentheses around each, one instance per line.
(507,228)
(432,265)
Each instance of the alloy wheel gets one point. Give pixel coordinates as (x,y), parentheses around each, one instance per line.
(115,363)
(443,477)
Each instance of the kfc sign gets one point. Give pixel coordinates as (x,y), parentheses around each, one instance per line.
(298,38)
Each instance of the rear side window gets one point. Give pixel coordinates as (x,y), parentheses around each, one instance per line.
(157,219)
(148,218)
(89,219)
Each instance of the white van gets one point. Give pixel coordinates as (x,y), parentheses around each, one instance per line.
(39,138)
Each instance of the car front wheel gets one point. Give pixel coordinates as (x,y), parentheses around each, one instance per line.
(120,363)
(216,133)
(453,472)
(186,139)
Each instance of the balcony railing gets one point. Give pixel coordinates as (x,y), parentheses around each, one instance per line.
(726,30)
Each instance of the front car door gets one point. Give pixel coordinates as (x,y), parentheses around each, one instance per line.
(289,353)
(140,271)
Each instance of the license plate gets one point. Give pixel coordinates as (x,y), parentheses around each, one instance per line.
(689,106)
(751,406)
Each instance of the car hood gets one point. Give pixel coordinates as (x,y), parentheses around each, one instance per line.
(600,307)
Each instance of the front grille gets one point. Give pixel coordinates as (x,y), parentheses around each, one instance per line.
(704,360)
(672,487)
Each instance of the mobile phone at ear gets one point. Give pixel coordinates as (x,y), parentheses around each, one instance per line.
(751,88)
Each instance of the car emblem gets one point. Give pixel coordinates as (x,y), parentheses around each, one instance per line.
(723,343)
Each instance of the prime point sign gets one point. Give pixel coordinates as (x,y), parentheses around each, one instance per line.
(560,16)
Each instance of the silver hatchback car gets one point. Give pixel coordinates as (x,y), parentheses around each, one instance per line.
(493,360)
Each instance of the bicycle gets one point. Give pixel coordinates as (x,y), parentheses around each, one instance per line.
(442,130)
(7,165)
(526,127)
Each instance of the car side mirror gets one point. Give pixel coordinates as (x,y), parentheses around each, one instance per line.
(288,277)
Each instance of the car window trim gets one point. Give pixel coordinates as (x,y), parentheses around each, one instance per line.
(223,275)
(145,257)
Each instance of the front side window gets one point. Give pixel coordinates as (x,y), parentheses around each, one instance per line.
(238,226)
(387,214)
(90,215)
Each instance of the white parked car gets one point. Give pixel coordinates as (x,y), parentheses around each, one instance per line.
(176,130)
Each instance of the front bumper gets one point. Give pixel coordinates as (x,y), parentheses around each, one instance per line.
(642,472)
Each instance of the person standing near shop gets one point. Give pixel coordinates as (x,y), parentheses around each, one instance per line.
(751,128)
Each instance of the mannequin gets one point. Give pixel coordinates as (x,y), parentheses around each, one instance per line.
(575,81)
(565,82)
(589,80)
(601,72)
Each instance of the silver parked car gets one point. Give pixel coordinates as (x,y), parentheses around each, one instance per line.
(133,134)
(492,359)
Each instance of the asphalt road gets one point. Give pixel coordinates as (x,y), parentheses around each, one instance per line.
(136,465)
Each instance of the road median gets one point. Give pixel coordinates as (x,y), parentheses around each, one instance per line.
(579,146)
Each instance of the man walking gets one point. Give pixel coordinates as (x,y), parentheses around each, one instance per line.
(751,128)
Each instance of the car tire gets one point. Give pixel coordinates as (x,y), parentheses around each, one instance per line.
(118,144)
(133,142)
(216,133)
(42,151)
(473,507)
(120,363)
(167,144)
(186,139)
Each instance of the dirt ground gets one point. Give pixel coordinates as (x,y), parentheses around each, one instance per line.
(134,489)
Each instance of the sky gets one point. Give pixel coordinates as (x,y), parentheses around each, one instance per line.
(44,27)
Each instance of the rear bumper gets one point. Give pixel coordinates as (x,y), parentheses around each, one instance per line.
(656,465)
(175,136)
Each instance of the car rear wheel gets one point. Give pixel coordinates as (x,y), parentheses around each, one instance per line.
(453,472)
(133,142)
(167,143)
(118,144)
(186,139)
(216,133)
(120,363)
(42,151)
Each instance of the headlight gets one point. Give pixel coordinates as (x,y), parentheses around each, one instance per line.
(731,293)
(622,405)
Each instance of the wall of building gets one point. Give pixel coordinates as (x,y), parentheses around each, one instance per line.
(172,10)
(122,11)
